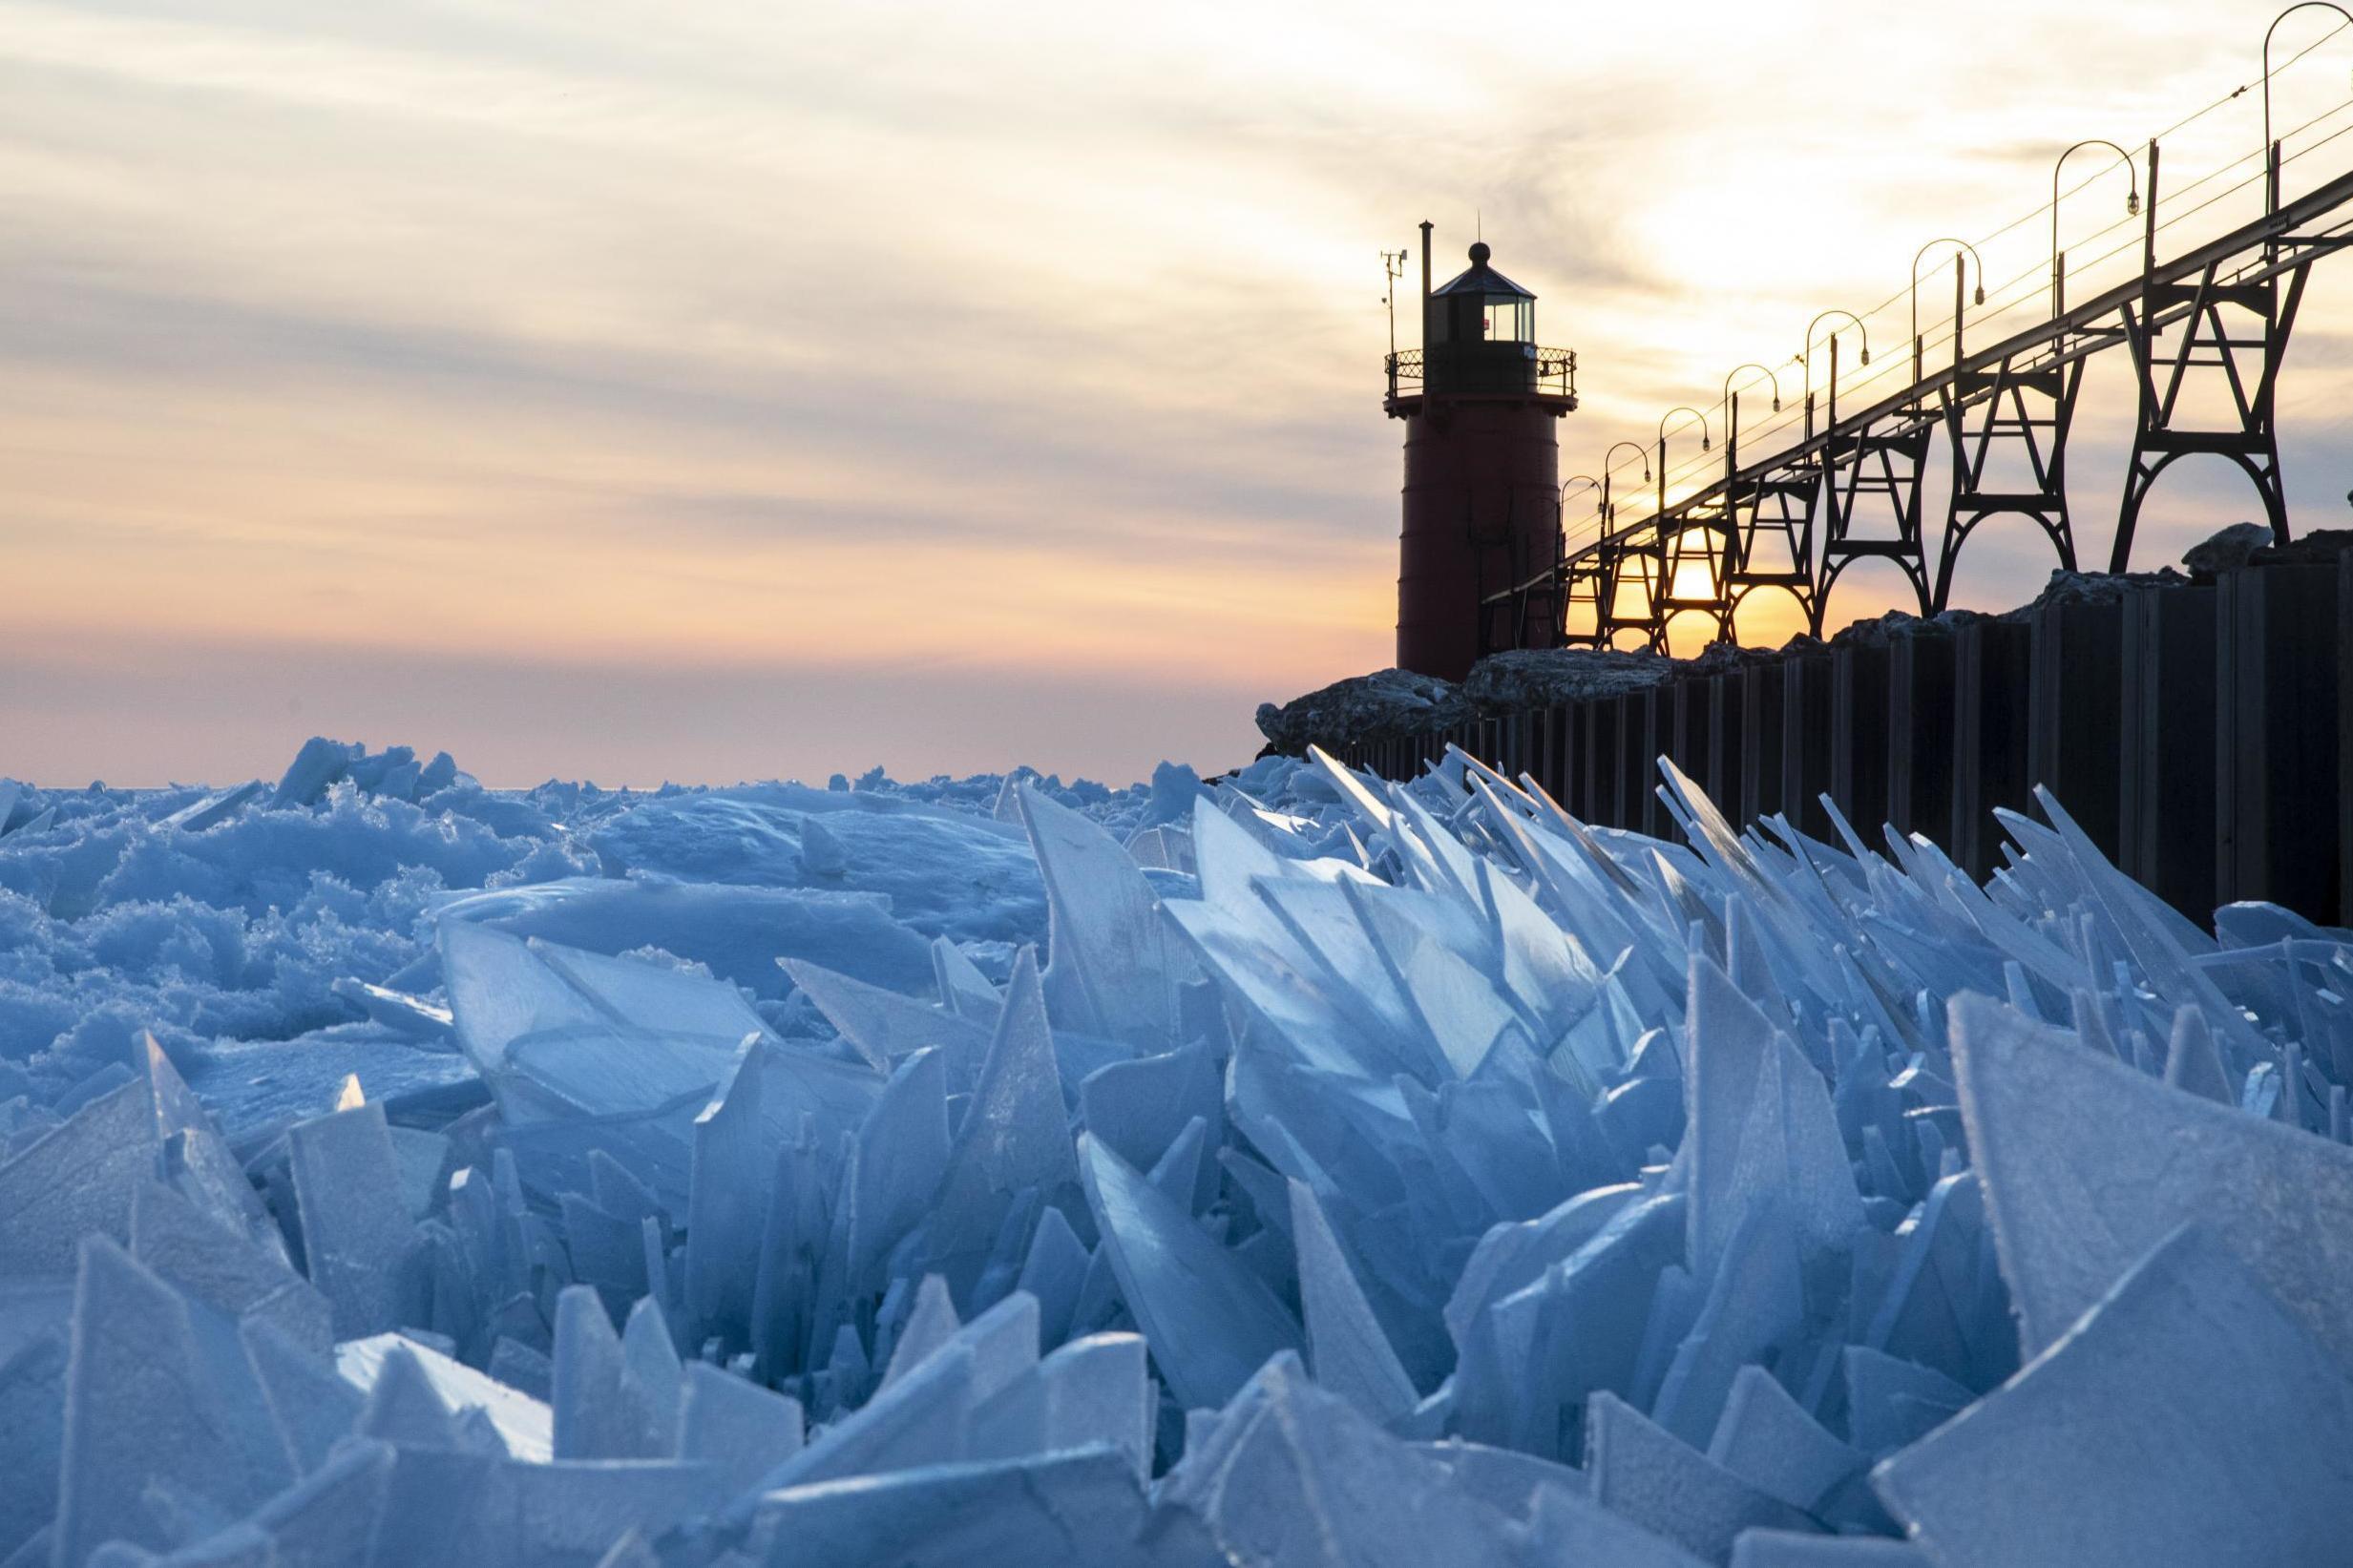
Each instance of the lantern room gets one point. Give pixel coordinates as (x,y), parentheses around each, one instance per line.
(1479,332)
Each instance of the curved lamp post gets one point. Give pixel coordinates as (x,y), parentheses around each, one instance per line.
(1806,359)
(1730,407)
(1572,479)
(1959,265)
(2271,155)
(1609,512)
(1663,422)
(1665,589)
(2058,259)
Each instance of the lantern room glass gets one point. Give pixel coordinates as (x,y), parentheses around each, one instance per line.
(1510,317)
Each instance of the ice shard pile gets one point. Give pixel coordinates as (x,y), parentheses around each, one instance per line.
(1293,1171)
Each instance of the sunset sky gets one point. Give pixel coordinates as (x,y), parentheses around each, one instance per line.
(745,390)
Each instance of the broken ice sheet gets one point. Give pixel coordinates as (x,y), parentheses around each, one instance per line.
(1767,1440)
(31,1433)
(1210,1322)
(1351,1355)
(525,1425)
(1760,1122)
(1113,964)
(76,1180)
(1013,1145)
(735,1425)
(2188,1416)
(1530,1359)
(1288,1473)
(213,1262)
(941,872)
(584,1051)
(1648,1475)
(2087,1164)
(361,1247)
(885,1027)
(1036,1508)
(561,1031)
(166,1427)
(737,932)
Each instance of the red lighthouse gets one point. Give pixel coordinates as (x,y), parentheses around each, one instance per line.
(1482,510)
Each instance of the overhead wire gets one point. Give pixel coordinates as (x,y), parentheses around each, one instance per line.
(2093,177)
(2040,270)
(2027,278)
(2033,277)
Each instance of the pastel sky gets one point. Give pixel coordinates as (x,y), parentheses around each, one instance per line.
(743,389)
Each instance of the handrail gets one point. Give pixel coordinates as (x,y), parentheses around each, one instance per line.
(1555,374)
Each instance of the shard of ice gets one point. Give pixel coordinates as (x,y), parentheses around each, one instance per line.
(1767,1440)
(1114,964)
(166,1427)
(357,1238)
(1346,1346)
(740,1429)
(75,1179)
(1026,1510)
(216,1263)
(32,1437)
(2188,1416)
(1210,1322)
(886,1027)
(1016,1133)
(1645,1475)
(2089,1164)
(1291,1477)
(525,1425)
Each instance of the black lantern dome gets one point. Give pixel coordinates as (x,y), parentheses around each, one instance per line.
(1479,332)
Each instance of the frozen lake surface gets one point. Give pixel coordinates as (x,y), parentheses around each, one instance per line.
(1300,1170)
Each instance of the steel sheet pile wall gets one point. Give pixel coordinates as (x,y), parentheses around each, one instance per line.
(2197,734)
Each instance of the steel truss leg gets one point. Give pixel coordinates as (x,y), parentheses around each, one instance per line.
(1885,467)
(2024,416)
(2206,343)
(1711,528)
(1778,506)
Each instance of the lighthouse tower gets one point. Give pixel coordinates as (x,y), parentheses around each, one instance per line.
(1483,510)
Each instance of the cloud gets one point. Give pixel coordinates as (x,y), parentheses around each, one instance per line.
(1019,340)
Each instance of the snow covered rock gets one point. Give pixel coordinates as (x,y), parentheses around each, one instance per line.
(2065,586)
(1541,677)
(1366,708)
(2225,549)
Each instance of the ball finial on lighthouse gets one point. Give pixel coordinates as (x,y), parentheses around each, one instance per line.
(1479,253)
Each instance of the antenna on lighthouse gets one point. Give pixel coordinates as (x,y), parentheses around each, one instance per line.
(1392,262)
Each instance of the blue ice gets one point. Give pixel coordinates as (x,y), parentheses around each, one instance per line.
(1290,1168)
